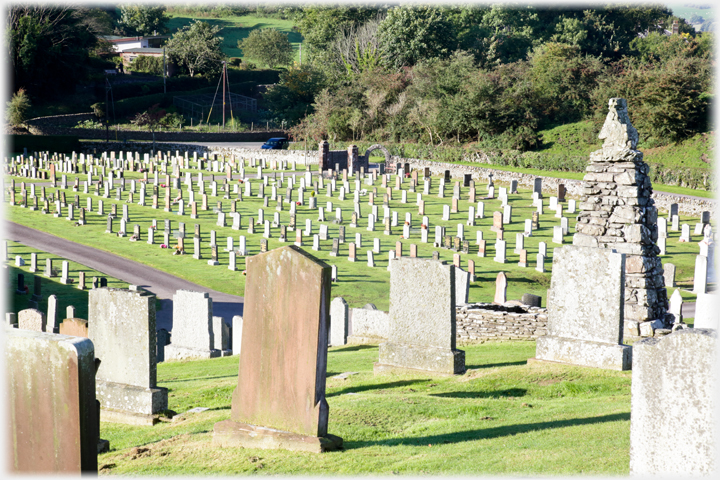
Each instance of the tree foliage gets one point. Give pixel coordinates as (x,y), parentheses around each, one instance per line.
(17,108)
(136,19)
(196,48)
(48,48)
(292,98)
(409,35)
(268,46)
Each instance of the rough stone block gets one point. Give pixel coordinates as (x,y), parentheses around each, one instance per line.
(369,325)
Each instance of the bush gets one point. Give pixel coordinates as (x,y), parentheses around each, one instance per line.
(147,64)
(17,108)
(235,61)
(89,124)
(52,143)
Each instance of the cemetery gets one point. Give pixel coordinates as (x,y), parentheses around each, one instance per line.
(396,318)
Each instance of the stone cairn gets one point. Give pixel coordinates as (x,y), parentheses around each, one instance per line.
(617,212)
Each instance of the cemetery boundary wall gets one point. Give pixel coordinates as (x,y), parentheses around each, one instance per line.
(692,206)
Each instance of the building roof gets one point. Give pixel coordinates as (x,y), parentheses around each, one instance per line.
(146,51)
(118,39)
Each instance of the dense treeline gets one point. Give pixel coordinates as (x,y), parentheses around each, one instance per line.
(493,75)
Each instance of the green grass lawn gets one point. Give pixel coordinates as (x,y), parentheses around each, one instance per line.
(358,284)
(236,28)
(503,416)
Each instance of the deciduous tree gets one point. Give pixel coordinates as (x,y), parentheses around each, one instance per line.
(268,46)
(196,47)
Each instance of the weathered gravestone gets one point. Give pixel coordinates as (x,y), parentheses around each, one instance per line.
(338,322)
(585,310)
(192,332)
(222,336)
(369,325)
(421,333)
(75,327)
(32,319)
(121,325)
(280,401)
(674,405)
(50,381)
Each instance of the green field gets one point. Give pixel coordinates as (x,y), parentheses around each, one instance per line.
(502,417)
(358,284)
(236,28)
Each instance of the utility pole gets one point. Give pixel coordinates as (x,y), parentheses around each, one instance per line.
(224,75)
(164,72)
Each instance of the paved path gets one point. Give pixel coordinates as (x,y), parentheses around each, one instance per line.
(162,284)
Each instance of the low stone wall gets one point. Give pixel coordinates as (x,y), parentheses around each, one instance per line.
(245,153)
(486,321)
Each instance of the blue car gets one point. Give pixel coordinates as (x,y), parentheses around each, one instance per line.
(277,143)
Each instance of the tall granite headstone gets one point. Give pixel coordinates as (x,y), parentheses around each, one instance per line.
(421,332)
(121,325)
(280,401)
(50,382)
(585,310)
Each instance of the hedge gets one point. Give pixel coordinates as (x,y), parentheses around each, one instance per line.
(39,143)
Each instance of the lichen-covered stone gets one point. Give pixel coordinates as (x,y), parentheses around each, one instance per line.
(673,417)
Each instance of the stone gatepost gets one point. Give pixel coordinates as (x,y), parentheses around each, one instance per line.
(353,164)
(617,212)
(324,153)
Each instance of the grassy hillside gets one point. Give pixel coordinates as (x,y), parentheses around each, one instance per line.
(236,28)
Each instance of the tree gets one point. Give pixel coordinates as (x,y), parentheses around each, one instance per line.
(196,47)
(48,48)
(268,46)
(17,108)
(150,119)
(292,98)
(142,19)
(411,34)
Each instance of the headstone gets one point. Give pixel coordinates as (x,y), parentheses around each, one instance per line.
(421,334)
(585,312)
(222,336)
(669,274)
(32,319)
(74,327)
(674,399)
(192,333)
(50,397)
(121,325)
(280,401)
(532,300)
(500,288)
(338,322)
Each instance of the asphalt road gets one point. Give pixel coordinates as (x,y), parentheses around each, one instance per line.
(162,284)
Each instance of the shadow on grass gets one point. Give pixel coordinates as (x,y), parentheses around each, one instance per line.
(493,365)
(354,348)
(179,380)
(511,392)
(380,386)
(496,432)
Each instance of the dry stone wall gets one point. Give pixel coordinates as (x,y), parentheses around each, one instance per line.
(487,321)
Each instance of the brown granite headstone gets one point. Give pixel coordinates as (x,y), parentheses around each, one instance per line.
(500,288)
(75,327)
(280,401)
(497,222)
(50,398)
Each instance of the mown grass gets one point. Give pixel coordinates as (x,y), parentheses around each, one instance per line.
(236,28)
(358,284)
(503,416)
